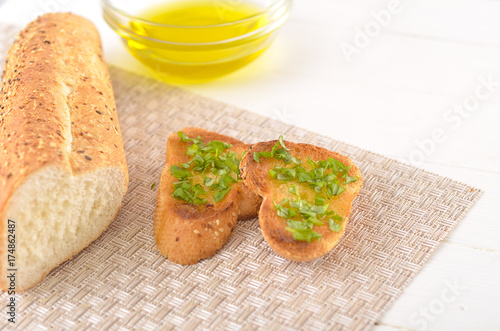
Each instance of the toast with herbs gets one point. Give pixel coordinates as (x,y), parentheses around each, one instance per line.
(201,195)
(307,196)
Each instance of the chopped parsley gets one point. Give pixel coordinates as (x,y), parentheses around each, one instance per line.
(219,169)
(319,177)
(278,153)
(334,223)
(294,190)
(302,217)
(326,178)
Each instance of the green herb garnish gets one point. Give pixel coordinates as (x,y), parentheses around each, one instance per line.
(334,226)
(326,178)
(278,153)
(219,195)
(302,234)
(180,173)
(320,200)
(302,217)
(326,174)
(218,166)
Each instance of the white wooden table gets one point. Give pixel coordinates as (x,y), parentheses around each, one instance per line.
(407,79)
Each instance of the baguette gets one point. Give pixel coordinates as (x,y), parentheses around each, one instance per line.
(286,224)
(63,173)
(186,232)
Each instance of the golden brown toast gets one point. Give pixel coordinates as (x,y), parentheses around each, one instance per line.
(186,232)
(298,234)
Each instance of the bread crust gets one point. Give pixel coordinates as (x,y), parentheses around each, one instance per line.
(56,107)
(256,177)
(186,233)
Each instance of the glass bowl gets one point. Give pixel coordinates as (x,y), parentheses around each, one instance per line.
(191,48)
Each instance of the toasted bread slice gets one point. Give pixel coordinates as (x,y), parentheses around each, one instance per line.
(276,229)
(186,232)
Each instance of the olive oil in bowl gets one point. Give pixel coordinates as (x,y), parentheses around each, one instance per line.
(191,41)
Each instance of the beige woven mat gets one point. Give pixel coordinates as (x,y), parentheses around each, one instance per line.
(120,282)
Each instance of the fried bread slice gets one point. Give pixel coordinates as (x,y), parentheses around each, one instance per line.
(307,196)
(190,225)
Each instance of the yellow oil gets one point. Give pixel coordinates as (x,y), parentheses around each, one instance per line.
(203,38)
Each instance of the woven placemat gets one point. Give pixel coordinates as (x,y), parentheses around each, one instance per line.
(121,282)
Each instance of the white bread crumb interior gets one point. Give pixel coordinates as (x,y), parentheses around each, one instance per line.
(57,215)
